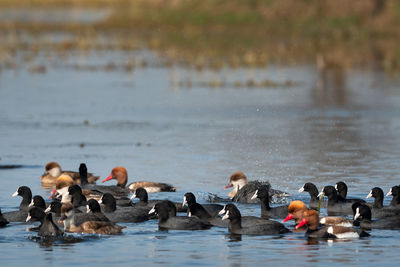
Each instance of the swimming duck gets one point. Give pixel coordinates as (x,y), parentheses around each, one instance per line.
(47,226)
(363,216)
(20,215)
(91,227)
(53,171)
(341,188)
(313,191)
(205,211)
(311,219)
(38,201)
(266,211)
(166,221)
(335,206)
(243,190)
(121,175)
(144,201)
(395,192)
(267,227)
(123,214)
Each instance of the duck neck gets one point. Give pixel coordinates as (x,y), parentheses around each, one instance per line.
(333,198)
(265,207)
(395,200)
(378,202)
(110,207)
(26,200)
(235,224)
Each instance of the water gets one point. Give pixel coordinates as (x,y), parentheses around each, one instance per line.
(195,137)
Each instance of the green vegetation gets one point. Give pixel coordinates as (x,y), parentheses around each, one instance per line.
(215,33)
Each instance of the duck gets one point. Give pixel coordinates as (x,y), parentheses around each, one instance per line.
(77,197)
(363,218)
(121,175)
(54,207)
(311,219)
(38,201)
(335,206)
(90,227)
(296,210)
(141,194)
(47,227)
(395,192)
(313,191)
(62,185)
(266,211)
(267,227)
(166,220)
(341,188)
(243,190)
(93,207)
(200,210)
(378,210)
(3,221)
(96,191)
(123,214)
(53,171)
(20,215)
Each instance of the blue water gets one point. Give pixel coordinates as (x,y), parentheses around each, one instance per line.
(194,138)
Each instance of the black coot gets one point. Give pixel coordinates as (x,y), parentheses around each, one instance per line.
(166,221)
(47,226)
(122,214)
(266,211)
(266,227)
(20,215)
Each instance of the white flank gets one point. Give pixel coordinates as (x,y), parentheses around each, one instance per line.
(255,195)
(152,189)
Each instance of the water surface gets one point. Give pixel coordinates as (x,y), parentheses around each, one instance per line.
(194,137)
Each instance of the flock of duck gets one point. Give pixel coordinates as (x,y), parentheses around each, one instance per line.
(79,205)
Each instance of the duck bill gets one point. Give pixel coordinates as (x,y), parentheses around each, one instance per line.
(53,193)
(301,189)
(28,218)
(48,209)
(62,219)
(321,195)
(255,195)
(226,216)
(369,195)
(357,214)
(107,179)
(289,217)
(184,202)
(133,196)
(227,186)
(302,223)
(15,194)
(30,204)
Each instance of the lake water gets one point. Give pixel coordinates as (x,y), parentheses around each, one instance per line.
(195,137)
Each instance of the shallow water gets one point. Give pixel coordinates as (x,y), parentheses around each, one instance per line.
(194,138)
